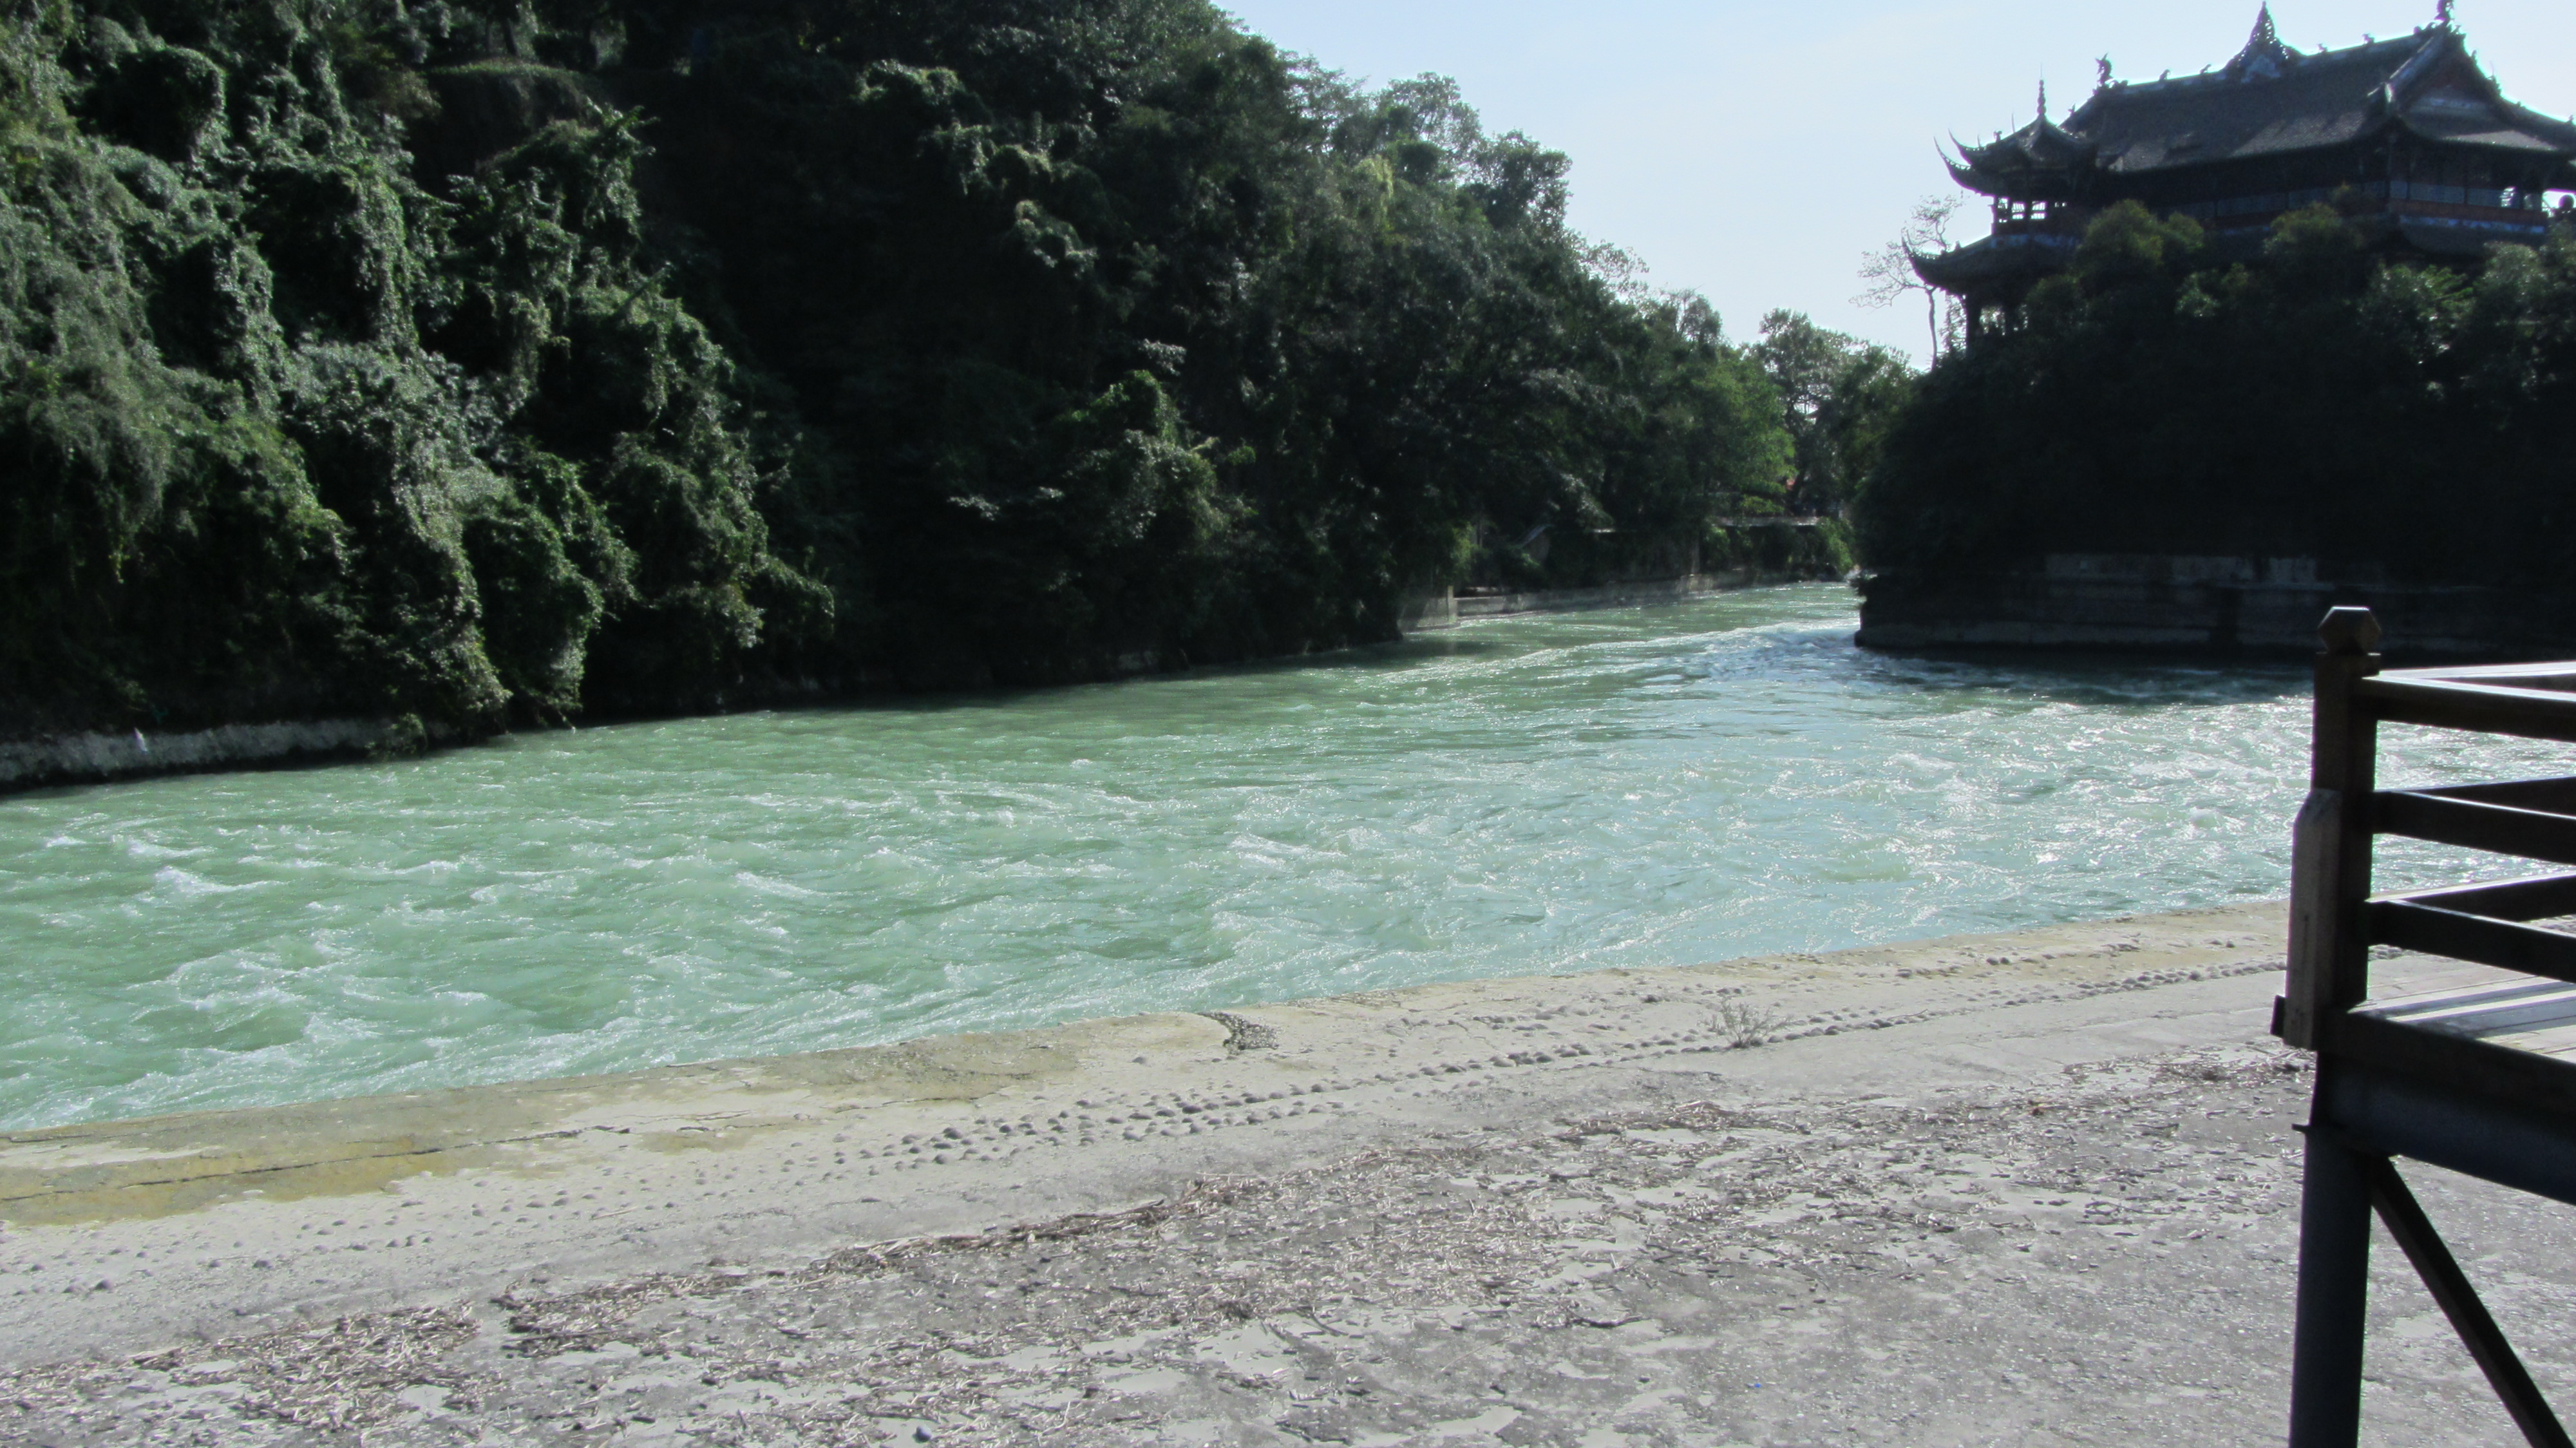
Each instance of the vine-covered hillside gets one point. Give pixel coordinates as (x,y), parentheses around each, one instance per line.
(470,363)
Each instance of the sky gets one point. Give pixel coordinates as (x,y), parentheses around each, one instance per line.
(1754,153)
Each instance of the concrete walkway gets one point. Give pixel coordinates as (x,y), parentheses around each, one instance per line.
(2031,1188)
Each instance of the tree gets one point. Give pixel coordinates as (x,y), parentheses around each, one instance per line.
(1890,273)
(1836,395)
(505,361)
(2314,400)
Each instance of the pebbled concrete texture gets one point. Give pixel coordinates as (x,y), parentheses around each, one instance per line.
(2033,1188)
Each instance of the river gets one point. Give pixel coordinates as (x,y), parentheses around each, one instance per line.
(1637,787)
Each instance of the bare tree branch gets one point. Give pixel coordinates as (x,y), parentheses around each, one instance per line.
(1889,271)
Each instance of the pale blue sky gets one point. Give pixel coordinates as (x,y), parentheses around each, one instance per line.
(1754,152)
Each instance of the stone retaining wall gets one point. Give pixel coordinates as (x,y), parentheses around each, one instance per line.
(2196,605)
(1447,609)
(96,757)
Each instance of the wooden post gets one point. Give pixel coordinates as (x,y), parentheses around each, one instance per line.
(2330,844)
(2334,1285)
(2329,974)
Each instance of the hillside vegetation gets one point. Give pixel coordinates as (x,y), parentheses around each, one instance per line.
(466,363)
(2311,401)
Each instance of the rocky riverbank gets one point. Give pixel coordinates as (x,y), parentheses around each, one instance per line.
(2033,1188)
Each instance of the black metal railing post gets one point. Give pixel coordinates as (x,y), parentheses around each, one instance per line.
(2330,843)
(2415,1076)
(2329,964)
(2333,1292)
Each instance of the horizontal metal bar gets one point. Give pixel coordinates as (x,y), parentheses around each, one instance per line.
(2497,1008)
(2526,948)
(2484,708)
(2489,1111)
(2538,897)
(2554,796)
(2502,829)
(2558,671)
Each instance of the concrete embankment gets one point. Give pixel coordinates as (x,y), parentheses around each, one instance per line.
(2026,1188)
(92,757)
(1449,609)
(100,756)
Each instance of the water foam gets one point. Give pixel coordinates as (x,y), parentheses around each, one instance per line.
(1637,787)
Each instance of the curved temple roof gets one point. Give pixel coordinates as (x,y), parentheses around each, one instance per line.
(2270,100)
(1995,259)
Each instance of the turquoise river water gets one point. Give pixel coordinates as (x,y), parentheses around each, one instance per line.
(1557,793)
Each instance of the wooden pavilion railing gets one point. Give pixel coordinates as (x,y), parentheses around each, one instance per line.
(2468,1079)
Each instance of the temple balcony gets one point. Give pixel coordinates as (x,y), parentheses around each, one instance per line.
(2032,240)
(2062,221)
(2493,209)
(2040,218)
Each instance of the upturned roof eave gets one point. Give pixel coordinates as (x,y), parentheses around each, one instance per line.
(2027,186)
(1992,259)
(2039,162)
(2027,143)
(2547,132)
(2560,134)
(1934,273)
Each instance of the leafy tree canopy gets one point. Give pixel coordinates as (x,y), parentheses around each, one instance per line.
(1838,394)
(474,361)
(2313,401)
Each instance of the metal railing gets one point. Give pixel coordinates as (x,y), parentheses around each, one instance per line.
(2423,1080)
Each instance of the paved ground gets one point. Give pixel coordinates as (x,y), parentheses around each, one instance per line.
(2018,1190)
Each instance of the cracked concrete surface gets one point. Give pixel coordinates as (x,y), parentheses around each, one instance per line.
(2019,1189)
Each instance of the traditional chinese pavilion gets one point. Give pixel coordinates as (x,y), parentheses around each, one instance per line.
(2410,133)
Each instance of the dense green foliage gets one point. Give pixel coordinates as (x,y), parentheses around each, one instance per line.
(2312,401)
(469,362)
(1838,397)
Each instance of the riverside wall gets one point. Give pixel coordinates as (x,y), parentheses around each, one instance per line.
(93,757)
(2202,605)
(102,756)
(1449,608)
(107,756)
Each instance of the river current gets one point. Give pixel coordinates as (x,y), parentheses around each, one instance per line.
(1555,793)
